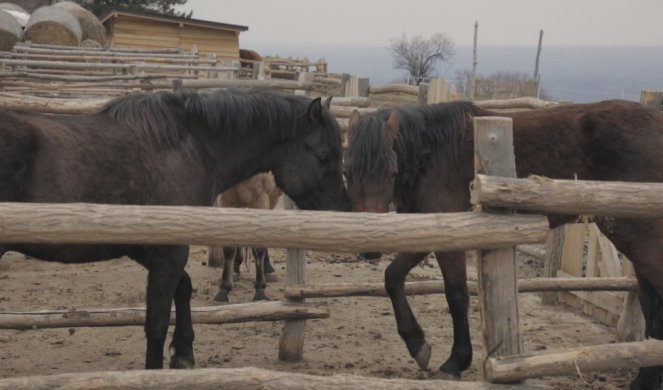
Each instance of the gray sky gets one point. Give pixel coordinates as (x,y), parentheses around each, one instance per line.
(501,22)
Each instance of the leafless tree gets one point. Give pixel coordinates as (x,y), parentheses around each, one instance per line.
(420,56)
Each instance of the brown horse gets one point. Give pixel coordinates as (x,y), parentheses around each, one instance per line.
(421,158)
(168,149)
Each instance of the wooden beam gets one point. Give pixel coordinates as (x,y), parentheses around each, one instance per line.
(291,343)
(437,287)
(575,360)
(394,88)
(80,223)
(135,316)
(523,102)
(497,283)
(616,199)
(247,378)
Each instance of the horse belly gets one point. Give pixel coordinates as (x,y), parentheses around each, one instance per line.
(74,254)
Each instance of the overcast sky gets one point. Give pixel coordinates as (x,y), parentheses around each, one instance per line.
(501,22)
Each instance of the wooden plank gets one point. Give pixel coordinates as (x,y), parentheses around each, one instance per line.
(631,324)
(553,261)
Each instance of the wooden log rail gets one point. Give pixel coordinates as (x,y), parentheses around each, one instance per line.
(108,65)
(99,57)
(575,360)
(219,83)
(246,378)
(616,199)
(135,316)
(79,223)
(523,103)
(163,50)
(437,287)
(394,88)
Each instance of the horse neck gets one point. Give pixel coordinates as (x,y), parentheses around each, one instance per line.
(237,157)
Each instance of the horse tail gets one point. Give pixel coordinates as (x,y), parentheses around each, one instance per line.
(17,150)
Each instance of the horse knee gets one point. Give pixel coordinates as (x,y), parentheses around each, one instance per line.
(393,279)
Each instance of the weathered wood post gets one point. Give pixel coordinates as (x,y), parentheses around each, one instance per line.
(652,99)
(498,289)
(438,91)
(422,94)
(345,81)
(291,345)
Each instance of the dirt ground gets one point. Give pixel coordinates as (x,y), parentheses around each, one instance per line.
(359,338)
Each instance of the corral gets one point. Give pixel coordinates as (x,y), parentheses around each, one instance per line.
(373,349)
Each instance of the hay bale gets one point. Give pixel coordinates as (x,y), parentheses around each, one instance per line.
(21,15)
(53,26)
(90,25)
(10,31)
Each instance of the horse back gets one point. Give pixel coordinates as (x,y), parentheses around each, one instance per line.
(610,140)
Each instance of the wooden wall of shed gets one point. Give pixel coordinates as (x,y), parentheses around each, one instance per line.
(131,32)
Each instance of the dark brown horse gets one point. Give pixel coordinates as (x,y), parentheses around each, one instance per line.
(168,149)
(421,158)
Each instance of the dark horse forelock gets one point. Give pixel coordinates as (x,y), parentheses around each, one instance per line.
(421,129)
(372,152)
(160,117)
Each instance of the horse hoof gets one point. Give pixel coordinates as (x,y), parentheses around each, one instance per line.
(423,356)
(271,278)
(182,363)
(450,370)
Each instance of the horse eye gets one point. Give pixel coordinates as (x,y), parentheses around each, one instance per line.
(323,160)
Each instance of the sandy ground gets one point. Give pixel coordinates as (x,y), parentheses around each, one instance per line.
(359,338)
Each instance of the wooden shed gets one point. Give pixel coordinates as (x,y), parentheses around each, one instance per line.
(135,29)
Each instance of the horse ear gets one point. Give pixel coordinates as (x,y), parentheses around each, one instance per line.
(314,110)
(327,103)
(392,124)
(354,118)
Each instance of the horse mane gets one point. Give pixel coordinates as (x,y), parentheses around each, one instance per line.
(164,117)
(422,128)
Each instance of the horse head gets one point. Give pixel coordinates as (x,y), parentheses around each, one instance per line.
(370,163)
(309,169)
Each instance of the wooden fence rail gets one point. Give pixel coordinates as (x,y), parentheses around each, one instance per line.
(325,231)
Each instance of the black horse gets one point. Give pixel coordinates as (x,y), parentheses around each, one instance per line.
(168,149)
(421,158)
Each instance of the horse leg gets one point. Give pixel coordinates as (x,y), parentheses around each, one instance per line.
(229,255)
(408,328)
(239,259)
(183,335)
(270,272)
(652,309)
(165,266)
(260,284)
(453,269)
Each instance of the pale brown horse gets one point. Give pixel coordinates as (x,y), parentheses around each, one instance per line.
(168,149)
(421,158)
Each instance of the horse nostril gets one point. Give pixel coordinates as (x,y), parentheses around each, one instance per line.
(371,255)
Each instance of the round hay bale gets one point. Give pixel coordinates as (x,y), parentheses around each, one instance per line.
(53,26)
(21,15)
(10,31)
(90,25)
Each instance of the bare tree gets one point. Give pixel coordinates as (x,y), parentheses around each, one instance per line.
(420,56)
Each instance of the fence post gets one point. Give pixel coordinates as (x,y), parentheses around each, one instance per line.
(422,96)
(345,80)
(652,99)
(291,345)
(497,287)
(438,91)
